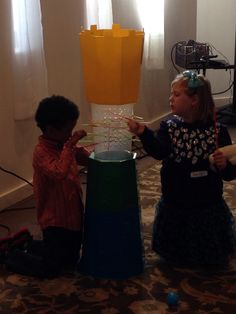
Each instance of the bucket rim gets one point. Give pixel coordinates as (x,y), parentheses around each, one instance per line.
(95,156)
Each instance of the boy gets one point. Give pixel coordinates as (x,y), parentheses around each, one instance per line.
(57,191)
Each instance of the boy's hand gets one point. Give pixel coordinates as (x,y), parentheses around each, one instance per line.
(219,159)
(76,136)
(135,127)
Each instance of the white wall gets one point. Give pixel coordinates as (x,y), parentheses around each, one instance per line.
(216,22)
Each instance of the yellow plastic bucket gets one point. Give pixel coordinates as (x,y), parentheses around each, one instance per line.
(111,61)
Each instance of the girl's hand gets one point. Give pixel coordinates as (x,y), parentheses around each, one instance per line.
(135,127)
(76,136)
(219,159)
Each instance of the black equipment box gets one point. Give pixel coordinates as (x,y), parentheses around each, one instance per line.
(189,52)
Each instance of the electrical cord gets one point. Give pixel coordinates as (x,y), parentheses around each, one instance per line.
(12,208)
(172,59)
(231,83)
(16,175)
(6,227)
(224,91)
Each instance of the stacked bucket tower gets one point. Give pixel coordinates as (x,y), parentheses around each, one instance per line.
(112,244)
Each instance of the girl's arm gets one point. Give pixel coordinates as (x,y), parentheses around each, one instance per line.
(221,159)
(156,143)
(135,127)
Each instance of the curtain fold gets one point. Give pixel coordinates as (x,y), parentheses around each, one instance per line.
(151,13)
(98,12)
(28,61)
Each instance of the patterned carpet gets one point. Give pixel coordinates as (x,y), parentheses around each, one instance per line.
(199,292)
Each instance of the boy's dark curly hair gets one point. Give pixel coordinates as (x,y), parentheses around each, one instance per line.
(55,111)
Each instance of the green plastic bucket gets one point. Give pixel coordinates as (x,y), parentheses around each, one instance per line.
(112,245)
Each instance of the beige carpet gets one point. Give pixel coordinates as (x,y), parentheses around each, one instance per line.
(199,292)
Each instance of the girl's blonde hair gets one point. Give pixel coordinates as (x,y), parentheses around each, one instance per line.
(197,84)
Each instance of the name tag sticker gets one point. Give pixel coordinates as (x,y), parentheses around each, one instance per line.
(199,174)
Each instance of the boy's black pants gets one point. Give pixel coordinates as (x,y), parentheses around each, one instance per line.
(58,250)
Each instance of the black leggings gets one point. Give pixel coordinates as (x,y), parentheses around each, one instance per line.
(59,249)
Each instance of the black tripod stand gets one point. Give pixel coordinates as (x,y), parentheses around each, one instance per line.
(227,113)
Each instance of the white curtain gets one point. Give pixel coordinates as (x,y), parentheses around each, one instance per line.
(29,69)
(151,13)
(99,12)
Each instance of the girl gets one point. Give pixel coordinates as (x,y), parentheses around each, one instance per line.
(193,225)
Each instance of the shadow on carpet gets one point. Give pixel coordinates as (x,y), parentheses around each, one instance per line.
(199,292)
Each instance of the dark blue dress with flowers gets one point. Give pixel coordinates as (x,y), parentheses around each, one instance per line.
(193,224)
